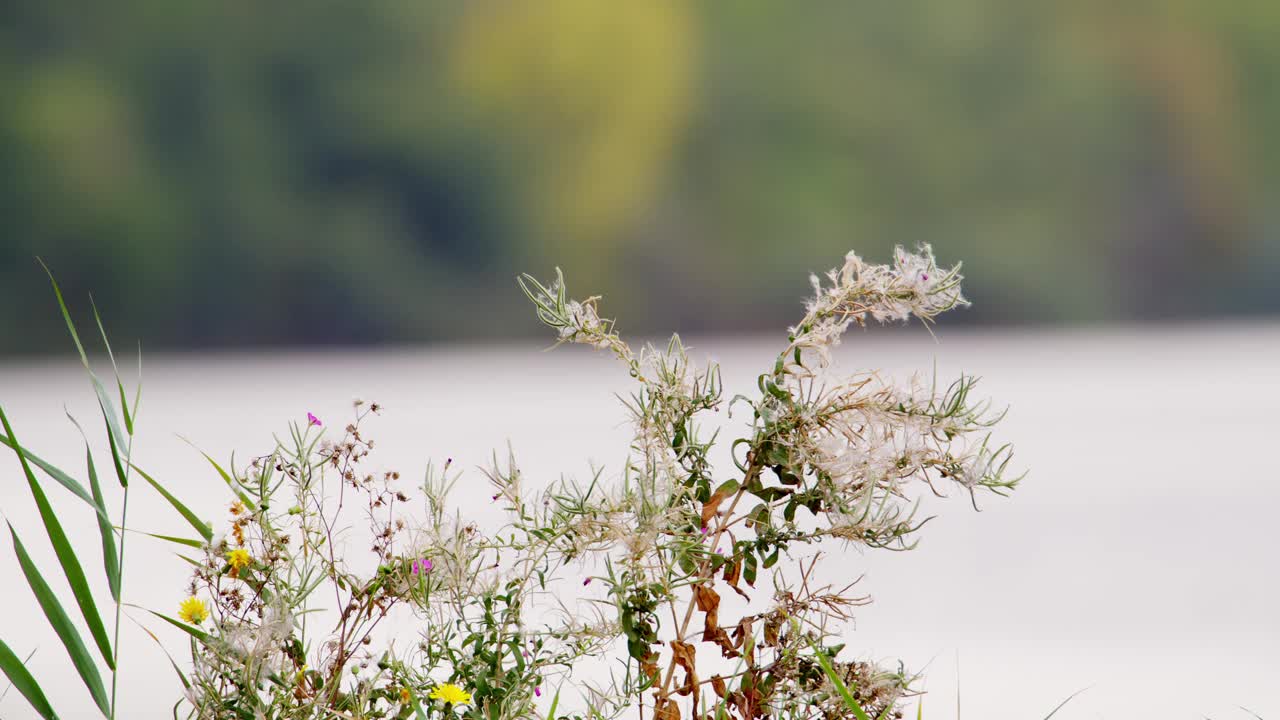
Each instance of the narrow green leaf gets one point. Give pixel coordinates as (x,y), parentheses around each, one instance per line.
(1064,702)
(181,675)
(191,630)
(58,476)
(183,510)
(103,398)
(121,475)
(847,696)
(555,702)
(110,560)
(124,401)
(137,388)
(16,669)
(61,624)
(169,538)
(226,477)
(66,557)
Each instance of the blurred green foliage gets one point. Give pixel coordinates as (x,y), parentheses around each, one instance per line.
(224,174)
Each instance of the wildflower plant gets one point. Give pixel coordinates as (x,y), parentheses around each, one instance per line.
(673,588)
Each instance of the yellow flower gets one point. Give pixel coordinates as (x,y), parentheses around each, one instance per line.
(193,610)
(405,696)
(451,694)
(239,559)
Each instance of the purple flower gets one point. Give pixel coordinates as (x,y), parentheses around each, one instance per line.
(313,420)
(586,582)
(538,691)
(422,565)
(704,529)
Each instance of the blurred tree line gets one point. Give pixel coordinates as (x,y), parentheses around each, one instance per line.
(332,172)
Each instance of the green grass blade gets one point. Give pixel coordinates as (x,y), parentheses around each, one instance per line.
(16,669)
(66,558)
(121,475)
(1064,702)
(124,401)
(191,630)
(110,559)
(183,510)
(226,477)
(169,538)
(58,476)
(62,626)
(555,703)
(103,398)
(181,675)
(845,695)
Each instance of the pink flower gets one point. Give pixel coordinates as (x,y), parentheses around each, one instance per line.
(313,420)
(538,691)
(422,565)
(704,530)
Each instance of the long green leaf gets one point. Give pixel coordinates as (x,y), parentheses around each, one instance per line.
(169,538)
(183,510)
(194,632)
(847,696)
(21,678)
(66,557)
(555,702)
(1064,702)
(181,676)
(61,624)
(58,476)
(103,398)
(124,401)
(110,560)
(121,475)
(226,477)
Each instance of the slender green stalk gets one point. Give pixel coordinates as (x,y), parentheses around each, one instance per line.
(115,642)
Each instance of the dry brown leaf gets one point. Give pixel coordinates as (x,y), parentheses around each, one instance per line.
(666,709)
(712,504)
(717,685)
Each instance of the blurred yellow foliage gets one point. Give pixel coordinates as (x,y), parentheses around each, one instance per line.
(593,95)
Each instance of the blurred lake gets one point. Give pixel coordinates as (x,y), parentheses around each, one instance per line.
(1138,560)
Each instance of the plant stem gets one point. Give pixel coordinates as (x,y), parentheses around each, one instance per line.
(115,674)
(124,524)
(722,522)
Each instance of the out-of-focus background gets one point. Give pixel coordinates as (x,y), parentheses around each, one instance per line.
(250,174)
(291,204)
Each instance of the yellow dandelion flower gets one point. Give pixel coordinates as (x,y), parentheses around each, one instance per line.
(239,559)
(193,610)
(451,694)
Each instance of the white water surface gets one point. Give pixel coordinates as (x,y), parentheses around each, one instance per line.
(1140,560)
